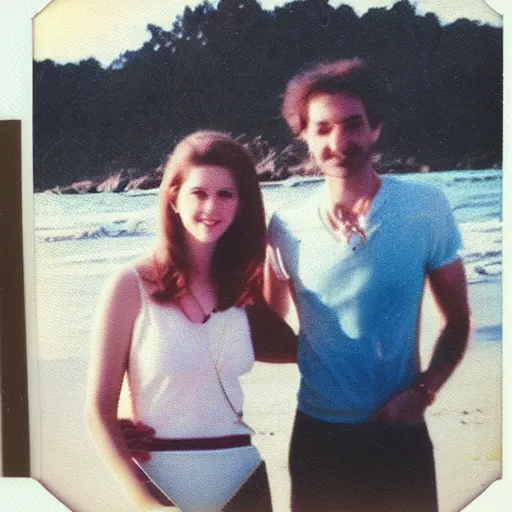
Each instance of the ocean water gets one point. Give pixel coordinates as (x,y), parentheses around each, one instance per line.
(73,230)
(81,239)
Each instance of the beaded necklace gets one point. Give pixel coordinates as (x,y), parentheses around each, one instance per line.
(346,225)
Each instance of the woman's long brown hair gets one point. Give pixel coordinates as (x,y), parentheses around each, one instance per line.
(237,264)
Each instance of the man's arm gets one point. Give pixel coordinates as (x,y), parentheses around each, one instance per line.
(279,294)
(450,291)
(449,288)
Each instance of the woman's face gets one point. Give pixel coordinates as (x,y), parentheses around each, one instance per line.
(207,202)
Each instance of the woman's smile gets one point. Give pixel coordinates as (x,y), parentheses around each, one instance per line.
(207,202)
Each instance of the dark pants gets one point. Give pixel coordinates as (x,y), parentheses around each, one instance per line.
(361,467)
(254,496)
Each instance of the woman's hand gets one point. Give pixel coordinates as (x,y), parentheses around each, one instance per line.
(138,438)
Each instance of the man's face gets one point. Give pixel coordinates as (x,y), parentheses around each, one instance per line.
(338,134)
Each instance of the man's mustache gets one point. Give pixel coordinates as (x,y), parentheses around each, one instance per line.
(349,152)
(353,151)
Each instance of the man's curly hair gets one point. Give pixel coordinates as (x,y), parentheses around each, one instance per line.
(351,76)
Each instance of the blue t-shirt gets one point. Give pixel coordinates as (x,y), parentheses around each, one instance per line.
(359,309)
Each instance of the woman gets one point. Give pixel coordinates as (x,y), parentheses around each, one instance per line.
(184,325)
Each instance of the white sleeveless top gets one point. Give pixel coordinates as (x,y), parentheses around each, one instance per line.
(172,378)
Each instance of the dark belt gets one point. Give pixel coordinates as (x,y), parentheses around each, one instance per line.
(207,443)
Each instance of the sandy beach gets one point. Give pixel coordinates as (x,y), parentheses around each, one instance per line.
(465,420)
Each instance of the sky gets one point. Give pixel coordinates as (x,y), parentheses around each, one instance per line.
(72,30)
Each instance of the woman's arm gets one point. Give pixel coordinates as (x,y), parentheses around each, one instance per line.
(118,310)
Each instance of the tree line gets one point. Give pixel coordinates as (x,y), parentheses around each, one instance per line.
(226,68)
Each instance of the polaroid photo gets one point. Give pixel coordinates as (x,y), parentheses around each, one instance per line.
(115,86)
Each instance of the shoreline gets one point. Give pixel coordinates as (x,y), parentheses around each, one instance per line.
(147,182)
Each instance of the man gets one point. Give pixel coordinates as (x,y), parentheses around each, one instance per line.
(354,261)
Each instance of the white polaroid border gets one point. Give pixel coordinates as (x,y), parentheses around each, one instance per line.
(25,494)
(16,103)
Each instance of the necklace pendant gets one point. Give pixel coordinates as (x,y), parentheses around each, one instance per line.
(355,240)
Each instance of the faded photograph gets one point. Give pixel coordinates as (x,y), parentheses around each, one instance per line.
(269,254)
